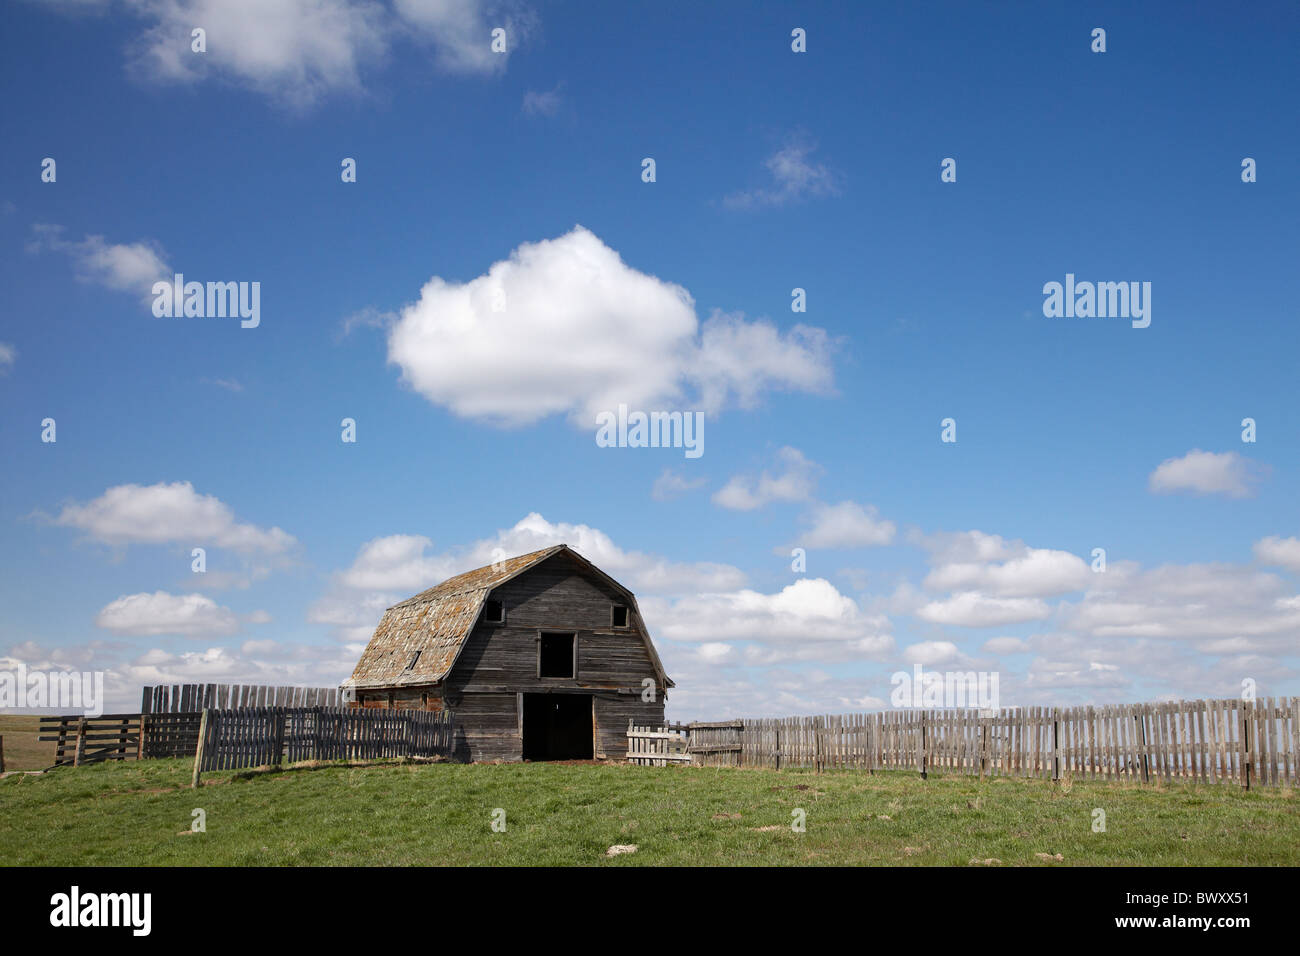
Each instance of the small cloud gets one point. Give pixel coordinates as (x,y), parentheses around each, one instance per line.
(1279,552)
(367,318)
(543,103)
(671,484)
(125,267)
(8,355)
(229,384)
(794,177)
(847,525)
(932,653)
(1206,473)
(169,514)
(188,615)
(794,483)
(1005,645)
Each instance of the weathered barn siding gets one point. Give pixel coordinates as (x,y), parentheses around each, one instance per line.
(498,663)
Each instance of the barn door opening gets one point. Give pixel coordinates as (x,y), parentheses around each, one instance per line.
(557,726)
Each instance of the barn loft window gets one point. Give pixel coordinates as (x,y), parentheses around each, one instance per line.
(557,655)
(620,615)
(493,612)
(414,657)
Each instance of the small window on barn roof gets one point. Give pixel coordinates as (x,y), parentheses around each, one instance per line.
(493,612)
(414,657)
(620,615)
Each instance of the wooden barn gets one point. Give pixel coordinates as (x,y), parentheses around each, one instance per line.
(540,657)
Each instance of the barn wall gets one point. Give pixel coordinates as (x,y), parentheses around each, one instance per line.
(560,594)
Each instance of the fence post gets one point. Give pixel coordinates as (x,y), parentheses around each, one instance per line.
(198,751)
(1247,707)
(1056,744)
(923,746)
(81,743)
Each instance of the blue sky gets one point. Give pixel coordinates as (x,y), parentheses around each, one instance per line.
(775,170)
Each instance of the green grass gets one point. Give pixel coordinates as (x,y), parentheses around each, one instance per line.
(22,750)
(139,813)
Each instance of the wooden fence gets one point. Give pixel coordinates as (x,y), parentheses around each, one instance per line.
(266,736)
(1204,741)
(78,740)
(81,740)
(656,746)
(173,698)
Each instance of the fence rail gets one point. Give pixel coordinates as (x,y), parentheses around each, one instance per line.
(1204,741)
(173,698)
(262,736)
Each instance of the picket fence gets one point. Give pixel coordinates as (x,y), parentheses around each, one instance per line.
(171,698)
(1203,741)
(268,736)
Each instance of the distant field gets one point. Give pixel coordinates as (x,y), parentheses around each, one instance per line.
(22,751)
(139,813)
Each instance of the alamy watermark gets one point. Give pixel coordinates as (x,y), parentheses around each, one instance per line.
(626,429)
(1102,300)
(923,688)
(66,691)
(211,300)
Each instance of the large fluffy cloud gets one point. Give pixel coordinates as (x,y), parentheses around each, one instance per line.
(564,326)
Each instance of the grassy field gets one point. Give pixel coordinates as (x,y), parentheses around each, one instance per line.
(22,750)
(429,814)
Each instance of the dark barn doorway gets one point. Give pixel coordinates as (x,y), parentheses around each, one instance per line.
(557,726)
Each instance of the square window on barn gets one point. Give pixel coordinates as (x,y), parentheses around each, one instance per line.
(620,615)
(556,655)
(493,612)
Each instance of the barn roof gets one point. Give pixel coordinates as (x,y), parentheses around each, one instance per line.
(437,622)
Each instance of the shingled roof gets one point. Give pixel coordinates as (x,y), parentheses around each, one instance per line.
(437,622)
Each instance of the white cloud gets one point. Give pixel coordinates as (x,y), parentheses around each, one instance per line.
(1005,645)
(933,653)
(1035,572)
(565,327)
(794,483)
(972,609)
(187,615)
(8,355)
(806,620)
(793,177)
(461,31)
(126,267)
(1206,473)
(397,563)
(1279,552)
(671,484)
(542,102)
(1192,602)
(299,51)
(169,513)
(847,525)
